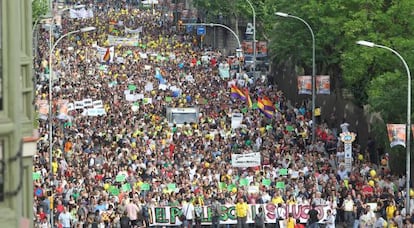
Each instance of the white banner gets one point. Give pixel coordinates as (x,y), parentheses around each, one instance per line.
(224,70)
(245,160)
(79,104)
(133,31)
(87,103)
(168,216)
(123,41)
(236,120)
(96,112)
(149,2)
(97,104)
(80,13)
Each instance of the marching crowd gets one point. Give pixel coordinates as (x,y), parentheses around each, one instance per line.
(116,168)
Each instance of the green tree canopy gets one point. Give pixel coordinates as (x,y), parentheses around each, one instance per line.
(375,76)
(39,8)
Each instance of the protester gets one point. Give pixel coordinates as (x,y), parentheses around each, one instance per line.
(313,217)
(115,152)
(260,218)
(242,211)
(188,211)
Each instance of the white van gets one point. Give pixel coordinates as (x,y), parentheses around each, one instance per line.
(179,116)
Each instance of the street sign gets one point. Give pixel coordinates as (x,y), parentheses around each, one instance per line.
(201,30)
(347,138)
(189,28)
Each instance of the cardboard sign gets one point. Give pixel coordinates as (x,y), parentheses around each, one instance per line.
(87,103)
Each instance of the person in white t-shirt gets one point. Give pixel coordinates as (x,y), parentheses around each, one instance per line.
(330,220)
(348,206)
(64,218)
(188,211)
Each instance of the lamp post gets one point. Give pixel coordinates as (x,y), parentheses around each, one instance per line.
(313,69)
(219,25)
(254,35)
(407,146)
(223,26)
(50,136)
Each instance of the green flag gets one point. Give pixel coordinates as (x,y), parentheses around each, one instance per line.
(114,191)
(145,187)
(67,124)
(289,128)
(230,187)
(266,182)
(171,187)
(132,87)
(36,176)
(244,110)
(280,184)
(222,185)
(283,172)
(168,99)
(243,182)
(255,106)
(126,187)
(120,178)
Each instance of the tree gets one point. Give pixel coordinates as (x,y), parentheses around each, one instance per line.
(376,77)
(240,9)
(39,8)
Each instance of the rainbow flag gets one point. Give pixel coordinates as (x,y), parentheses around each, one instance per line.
(262,108)
(107,56)
(237,93)
(248,99)
(268,104)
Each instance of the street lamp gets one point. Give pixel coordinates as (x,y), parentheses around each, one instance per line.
(407,145)
(313,68)
(254,36)
(223,26)
(50,136)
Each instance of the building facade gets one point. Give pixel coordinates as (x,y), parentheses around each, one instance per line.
(17,140)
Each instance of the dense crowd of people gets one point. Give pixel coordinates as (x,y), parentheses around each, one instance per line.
(120,168)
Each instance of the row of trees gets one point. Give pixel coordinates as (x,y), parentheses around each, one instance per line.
(375,77)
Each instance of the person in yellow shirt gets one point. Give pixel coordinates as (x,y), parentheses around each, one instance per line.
(390,210)
(277,199)
(291,200)
(290,221)
(242,210)
(55,166)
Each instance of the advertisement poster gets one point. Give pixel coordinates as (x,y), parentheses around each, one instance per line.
(323,84)
(396,134)
(305,84)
